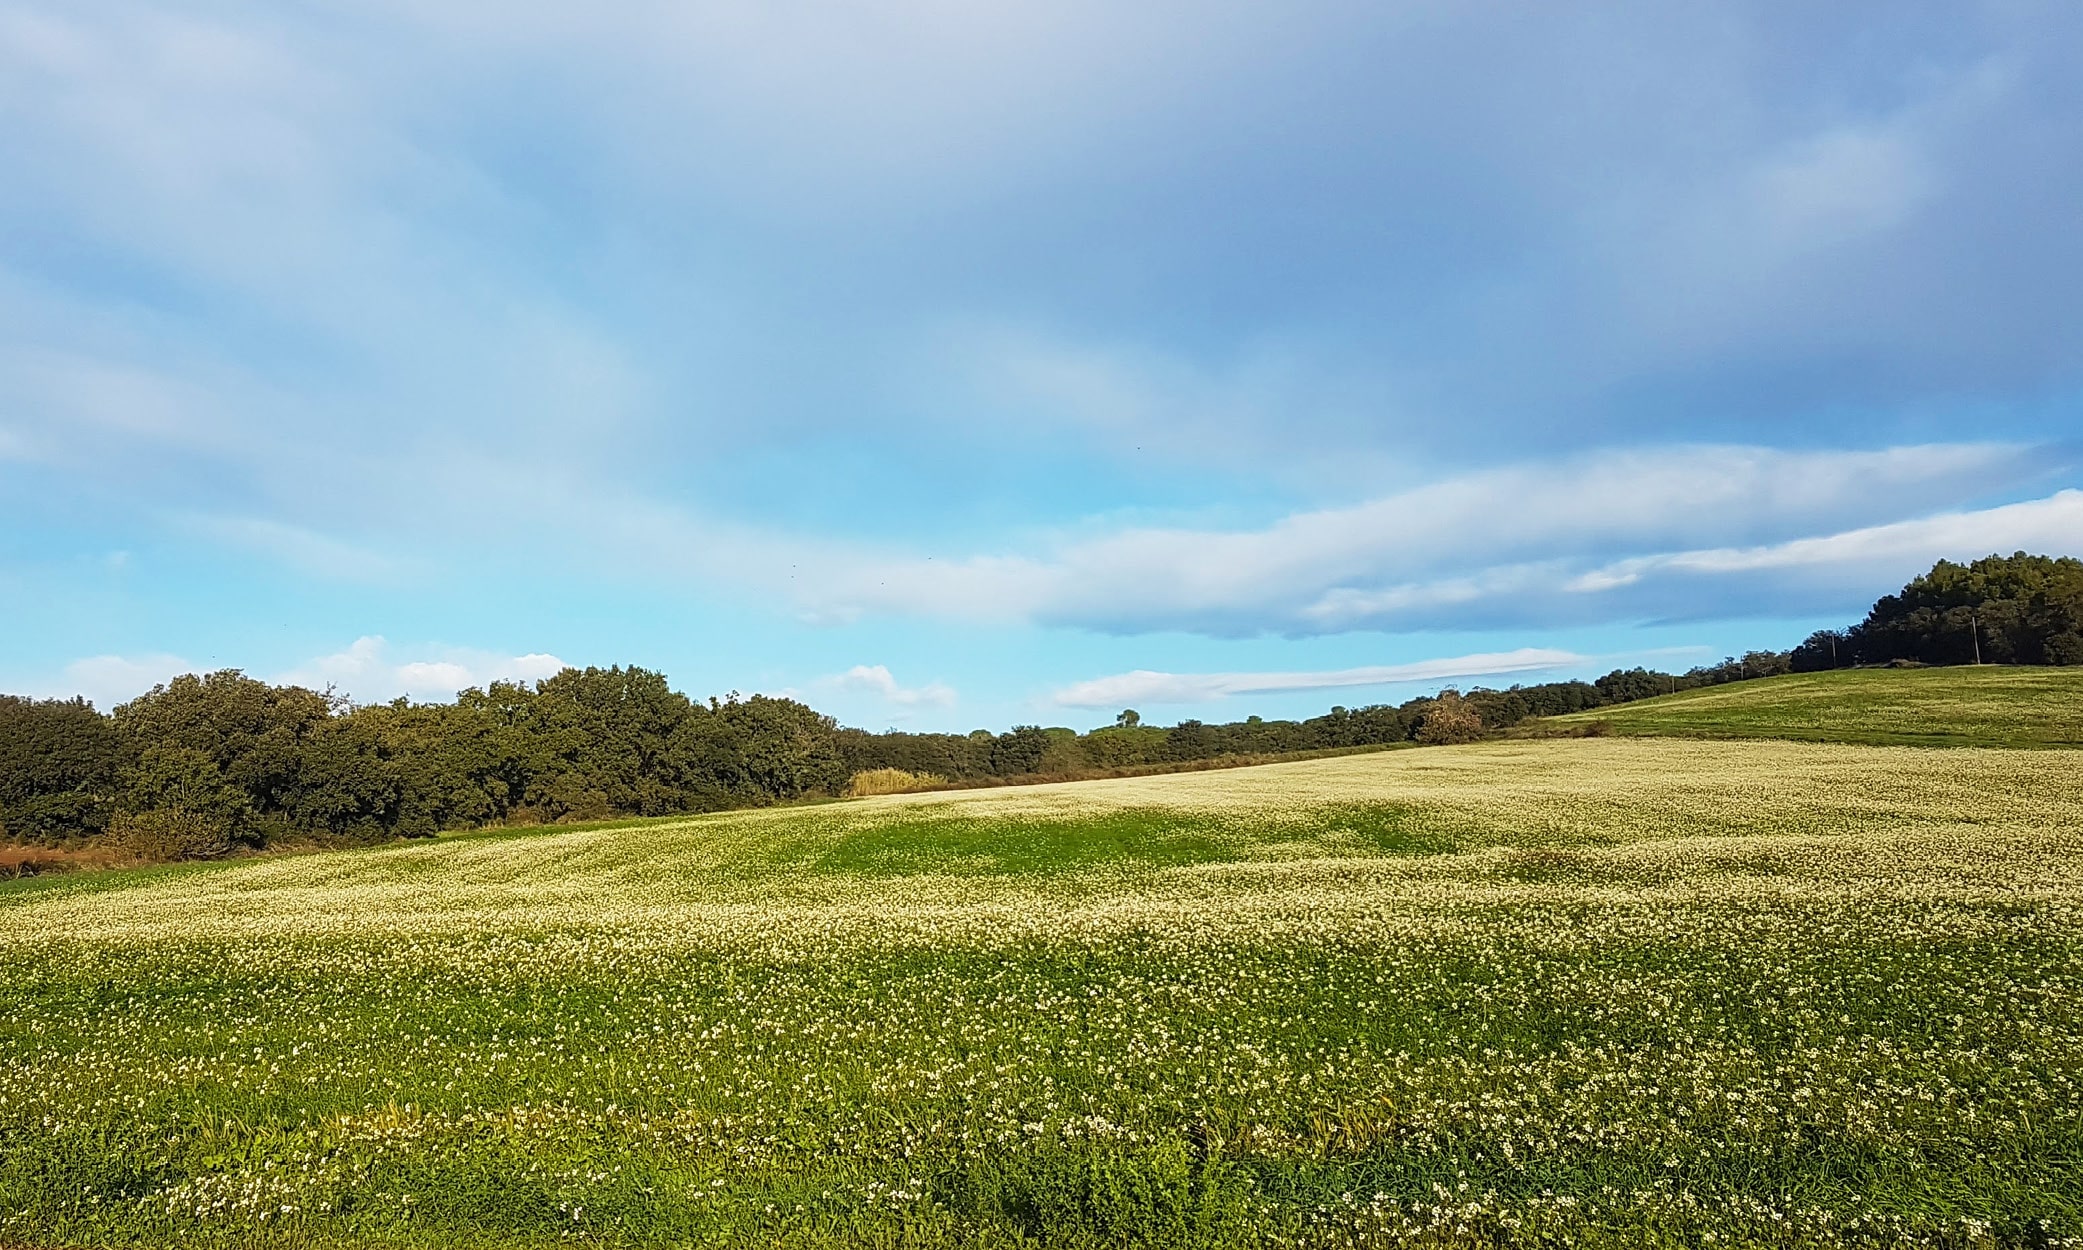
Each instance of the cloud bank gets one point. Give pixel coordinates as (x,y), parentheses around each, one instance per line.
(1331,317)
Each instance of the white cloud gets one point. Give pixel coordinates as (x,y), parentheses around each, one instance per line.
(876,679)
(1507,541)
(112,679)
(367,671)
(2051,525)
(1144,686)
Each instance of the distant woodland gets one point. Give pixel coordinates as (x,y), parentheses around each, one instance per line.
(206,765)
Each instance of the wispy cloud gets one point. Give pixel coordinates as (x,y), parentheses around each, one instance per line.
(1145,686)
(305,550)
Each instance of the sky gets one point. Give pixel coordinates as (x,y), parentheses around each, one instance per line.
(952,365)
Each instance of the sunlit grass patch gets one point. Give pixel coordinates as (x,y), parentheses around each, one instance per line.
(1014,844)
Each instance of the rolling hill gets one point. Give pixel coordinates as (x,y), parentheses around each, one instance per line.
(1995,706)
(1614,990)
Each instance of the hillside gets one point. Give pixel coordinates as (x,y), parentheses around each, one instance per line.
(1997,706)
(1610,987)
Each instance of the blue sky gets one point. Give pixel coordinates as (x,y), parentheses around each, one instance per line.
(955,365)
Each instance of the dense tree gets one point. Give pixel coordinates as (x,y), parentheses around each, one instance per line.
(60,763)
(2016,609)
(1627,685)
(255,733)
(749,752)
(943,755)
(1367,726)
(1822,650)
(1126,746)
(1020,751)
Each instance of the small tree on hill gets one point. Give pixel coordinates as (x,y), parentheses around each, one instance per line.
(1448,719)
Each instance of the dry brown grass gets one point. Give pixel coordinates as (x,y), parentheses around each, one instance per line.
(37,861)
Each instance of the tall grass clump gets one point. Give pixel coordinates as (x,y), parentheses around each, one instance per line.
(891,781)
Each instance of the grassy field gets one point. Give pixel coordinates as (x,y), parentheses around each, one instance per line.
(1987,706)
(1603,991)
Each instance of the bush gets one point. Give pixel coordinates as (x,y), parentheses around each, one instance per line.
(1449,719)
(170,833)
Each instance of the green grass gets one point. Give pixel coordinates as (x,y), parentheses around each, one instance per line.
(1985,706)
(948,843)
(1601,992)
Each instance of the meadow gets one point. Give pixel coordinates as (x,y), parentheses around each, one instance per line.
(1605,991)
(1993,705)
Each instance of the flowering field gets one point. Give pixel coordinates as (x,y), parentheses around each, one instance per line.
(1997,705)
(1602,991)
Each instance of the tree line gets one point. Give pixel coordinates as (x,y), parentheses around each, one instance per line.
(205,764)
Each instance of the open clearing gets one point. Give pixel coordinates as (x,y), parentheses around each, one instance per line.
(1605,991)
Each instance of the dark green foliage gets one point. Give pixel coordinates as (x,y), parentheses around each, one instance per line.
(1343,727)
(1822,650)
(1503,708)
(172,777)
(253,732)
(762,750)
(59,763)
(2016,609)
(943,755)
(1125,746)
(230,755)
(1019,752)
(1627,685)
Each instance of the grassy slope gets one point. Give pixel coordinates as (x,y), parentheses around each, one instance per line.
(1988,706)
(1784,993)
